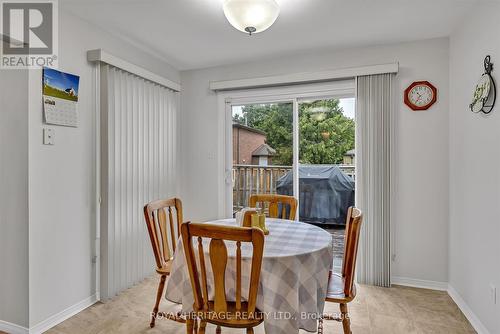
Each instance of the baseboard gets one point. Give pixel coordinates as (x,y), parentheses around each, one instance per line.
(11,328)
(63,315)
(467,311)
(420,283)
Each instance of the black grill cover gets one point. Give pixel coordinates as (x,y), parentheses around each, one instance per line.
(325,193)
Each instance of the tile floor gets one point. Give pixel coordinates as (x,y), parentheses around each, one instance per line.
(398,310)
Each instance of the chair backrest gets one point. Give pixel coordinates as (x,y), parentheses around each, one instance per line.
(155,214)
(219,258)
(288,205)
(351,241)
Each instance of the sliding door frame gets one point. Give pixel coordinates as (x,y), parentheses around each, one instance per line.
(289,94)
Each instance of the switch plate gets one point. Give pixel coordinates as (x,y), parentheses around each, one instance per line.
(48,136)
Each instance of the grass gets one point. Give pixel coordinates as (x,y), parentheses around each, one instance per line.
(51,91)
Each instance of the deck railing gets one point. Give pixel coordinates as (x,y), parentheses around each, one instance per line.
(254,179)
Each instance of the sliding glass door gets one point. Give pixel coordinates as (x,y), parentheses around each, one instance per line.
(297,142)
(326,159)
(262,149)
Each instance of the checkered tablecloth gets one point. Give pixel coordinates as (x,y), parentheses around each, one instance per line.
(293,280)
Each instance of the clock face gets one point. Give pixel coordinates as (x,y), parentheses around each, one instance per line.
(420,95)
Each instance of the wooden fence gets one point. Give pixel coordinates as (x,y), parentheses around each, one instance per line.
(253,179)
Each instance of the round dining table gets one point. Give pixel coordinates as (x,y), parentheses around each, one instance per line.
(294,276)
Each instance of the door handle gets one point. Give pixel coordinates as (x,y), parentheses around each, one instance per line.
(228,178)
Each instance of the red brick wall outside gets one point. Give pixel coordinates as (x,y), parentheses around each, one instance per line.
(245,142)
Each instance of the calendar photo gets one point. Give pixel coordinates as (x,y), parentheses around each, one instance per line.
(60,97)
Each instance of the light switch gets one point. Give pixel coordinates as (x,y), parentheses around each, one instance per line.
(48,136)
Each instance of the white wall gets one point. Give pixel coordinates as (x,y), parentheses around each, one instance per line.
(475,168)
(421,207)
(14,197)
(61,177)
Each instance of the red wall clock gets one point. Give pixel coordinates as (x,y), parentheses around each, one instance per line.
(420,95)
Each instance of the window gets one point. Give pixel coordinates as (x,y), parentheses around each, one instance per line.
(279,139)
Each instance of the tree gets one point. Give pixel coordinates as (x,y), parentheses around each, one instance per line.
(325,134)
(276,120)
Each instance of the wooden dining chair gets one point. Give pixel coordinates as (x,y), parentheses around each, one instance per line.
(155,214)
(272,203)
(341,287)
(242,313)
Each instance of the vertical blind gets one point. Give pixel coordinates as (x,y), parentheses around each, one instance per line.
(139,150)
(374,135)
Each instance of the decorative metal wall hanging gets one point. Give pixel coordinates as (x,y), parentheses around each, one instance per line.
(485,94)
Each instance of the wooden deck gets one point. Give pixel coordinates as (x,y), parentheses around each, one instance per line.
(253,179)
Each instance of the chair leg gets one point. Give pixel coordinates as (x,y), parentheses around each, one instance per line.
(195,328)
(189,326)
(159,293)
(218,330)
(249,330)
(320,325)
(346,321)
(203,326)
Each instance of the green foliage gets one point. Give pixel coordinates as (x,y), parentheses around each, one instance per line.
(325,134)
(51,91)
(276,121)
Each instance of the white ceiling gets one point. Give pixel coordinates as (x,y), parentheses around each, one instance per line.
(195,34)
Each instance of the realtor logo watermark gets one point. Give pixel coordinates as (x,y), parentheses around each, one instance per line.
(29,34)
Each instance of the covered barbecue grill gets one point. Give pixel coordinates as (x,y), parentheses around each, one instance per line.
(325,193)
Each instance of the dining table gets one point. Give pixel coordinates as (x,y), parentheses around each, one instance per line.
(293,281)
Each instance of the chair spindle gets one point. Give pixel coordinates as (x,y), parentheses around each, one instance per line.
(203,273)
(238,276)
(218,259)
(172,230)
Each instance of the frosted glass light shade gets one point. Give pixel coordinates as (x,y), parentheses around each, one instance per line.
(251,16)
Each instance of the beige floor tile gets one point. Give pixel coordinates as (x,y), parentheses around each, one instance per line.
(447,317)
(398,310)
(469,329)
(438,329)
(386,303)
(334,327)
(381,324)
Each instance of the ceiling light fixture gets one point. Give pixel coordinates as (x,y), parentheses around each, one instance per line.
(251,16)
